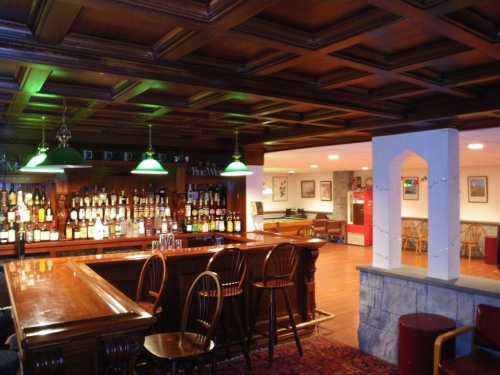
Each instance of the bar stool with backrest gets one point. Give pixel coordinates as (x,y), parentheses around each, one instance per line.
(200,317)
(473,236)
(278,272)
(151,284)
(231,266)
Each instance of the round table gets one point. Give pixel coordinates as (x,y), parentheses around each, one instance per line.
(417,333)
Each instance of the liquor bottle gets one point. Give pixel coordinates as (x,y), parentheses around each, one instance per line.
(189,225)
(213,223)
(48,214)
(222,224)
(41,214)
(4,196)
(118,228)
(175,225)
(105,228)
(195,224)
(29,233)
(4,234)
(205,226)
(45,233)
(11,234)
(229,223)
(69,230)
(11,214)
(73,214)
(141,227)
(237,223)
(164,225)
(54,233)
(98,229)
(81,209)
(83,230)
(76,230)
(37,233)
(12,196)
(90,229)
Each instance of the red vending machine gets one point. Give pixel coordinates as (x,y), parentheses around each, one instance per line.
(360,218)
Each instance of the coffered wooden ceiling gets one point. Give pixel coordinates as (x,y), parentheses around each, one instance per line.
(288,74)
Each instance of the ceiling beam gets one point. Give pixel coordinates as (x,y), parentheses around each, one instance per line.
(192,41)
(50,20)
(30,81)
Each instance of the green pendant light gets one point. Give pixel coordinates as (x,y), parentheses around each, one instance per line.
(236,168)
(149,165)
(64,156)
(33,165)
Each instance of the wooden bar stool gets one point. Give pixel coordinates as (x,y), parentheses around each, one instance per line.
(231,266)
(200,316)
(277,274)
(152,283)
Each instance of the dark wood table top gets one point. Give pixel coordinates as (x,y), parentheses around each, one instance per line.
(58,298)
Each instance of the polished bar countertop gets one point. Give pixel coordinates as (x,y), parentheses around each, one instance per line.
(57,298)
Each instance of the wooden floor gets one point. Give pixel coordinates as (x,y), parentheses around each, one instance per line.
(337,285)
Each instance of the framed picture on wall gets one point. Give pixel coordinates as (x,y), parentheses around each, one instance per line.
(280,188)
(325,190)
(410,188)
(478,189)
(308,189)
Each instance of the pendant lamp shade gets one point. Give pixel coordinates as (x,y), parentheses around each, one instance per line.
(236,168)
(64,156)
(33,165)
(149,165)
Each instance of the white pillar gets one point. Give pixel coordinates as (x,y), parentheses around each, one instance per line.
(386,208)
(444,209)
(254,185)
(440,149)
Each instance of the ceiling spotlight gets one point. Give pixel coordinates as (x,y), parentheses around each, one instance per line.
(291,172)
(314,166)
(333,157)
(475,146)
(364,168)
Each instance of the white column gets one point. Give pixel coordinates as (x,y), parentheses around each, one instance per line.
(386,207)
(440,149)
(254,186)
(444,208)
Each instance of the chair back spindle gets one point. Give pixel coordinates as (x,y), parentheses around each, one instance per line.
(231,266)
(202,309)
(280,263)
(152,280)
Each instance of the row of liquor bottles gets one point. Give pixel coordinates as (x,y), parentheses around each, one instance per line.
(95,213)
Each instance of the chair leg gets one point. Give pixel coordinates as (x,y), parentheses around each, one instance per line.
(173,368)
(225,331)
(469,247)
(213,369)
(253,317)
(272,328)
(292,322)
(243,341)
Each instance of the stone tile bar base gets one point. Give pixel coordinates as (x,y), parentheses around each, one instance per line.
(385,295)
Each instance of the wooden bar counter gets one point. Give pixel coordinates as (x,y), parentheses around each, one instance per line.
(76,314)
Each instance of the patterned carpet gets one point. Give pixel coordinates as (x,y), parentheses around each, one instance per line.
(321,356)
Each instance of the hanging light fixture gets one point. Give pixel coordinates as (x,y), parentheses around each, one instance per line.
(64,156)
(236,168)
(33,165)
(149,165)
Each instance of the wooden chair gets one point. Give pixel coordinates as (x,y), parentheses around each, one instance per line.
(318,228)
(321,216)
(422,234)
(473,235)
(152,283)
(202,310)
(408,234)
(486,341)
(231,266)
(278,272)
(335,228)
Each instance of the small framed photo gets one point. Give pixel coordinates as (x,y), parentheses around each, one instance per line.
(325,190)
(280,189)
(308,189)
(478,189)
(410,188)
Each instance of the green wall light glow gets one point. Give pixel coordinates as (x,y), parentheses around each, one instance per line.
(33,165)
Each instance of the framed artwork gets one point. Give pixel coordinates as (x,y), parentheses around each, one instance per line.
(308,189)
(325,190)
(410,188)
(478,189)
(280,189)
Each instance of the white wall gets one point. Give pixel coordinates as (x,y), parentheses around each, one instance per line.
(294,193)
(484,212)
(253,185)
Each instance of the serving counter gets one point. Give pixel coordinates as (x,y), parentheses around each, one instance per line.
(76,314)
